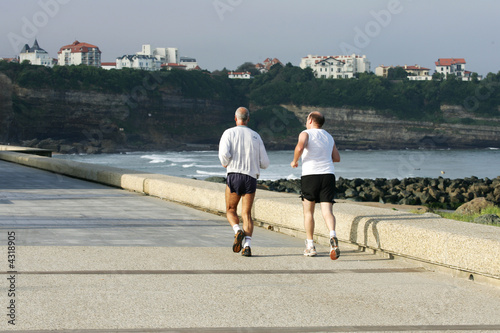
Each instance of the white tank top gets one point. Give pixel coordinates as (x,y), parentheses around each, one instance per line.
(317,155)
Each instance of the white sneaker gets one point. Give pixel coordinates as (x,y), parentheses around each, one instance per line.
(334,248)
(310,251)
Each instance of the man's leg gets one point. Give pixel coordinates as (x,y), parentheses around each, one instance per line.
(308,217)
(327,212)
(232,200)
(309,206)
(246,213)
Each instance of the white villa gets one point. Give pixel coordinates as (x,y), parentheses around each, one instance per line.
(108,65)
(448,66)
(35,55)
(239,75)
(151,59)
(336,67)
(138,61)
(454,66)
(163,54)
(415,73)
(79,54)
(190,63)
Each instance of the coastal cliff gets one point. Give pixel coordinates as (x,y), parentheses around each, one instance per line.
(370,129)
(86,121)
(93,122)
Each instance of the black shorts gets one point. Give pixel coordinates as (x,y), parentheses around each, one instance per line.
(318,188)
(241,184)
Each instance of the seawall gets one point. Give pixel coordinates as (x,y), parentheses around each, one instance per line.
(468,249)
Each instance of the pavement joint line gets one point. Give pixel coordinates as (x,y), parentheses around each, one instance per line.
(398,328)
(221,272)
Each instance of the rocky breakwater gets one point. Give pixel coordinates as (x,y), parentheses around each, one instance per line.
(433,192)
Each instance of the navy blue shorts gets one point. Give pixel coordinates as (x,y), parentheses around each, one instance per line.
(241,184)
(318,188)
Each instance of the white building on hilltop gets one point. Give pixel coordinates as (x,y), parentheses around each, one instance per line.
(163,54)
(79,54)
(239,75)
(138,61)
(149,59)
(455,66)
(190,63)
(415,73)
(35,55)
(336,67)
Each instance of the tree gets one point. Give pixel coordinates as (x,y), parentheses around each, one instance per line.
(248,67)
(438,76)
(397,73)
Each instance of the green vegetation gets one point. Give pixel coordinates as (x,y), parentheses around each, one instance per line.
(418,100)
(195,84)
(495,210)
(399,97)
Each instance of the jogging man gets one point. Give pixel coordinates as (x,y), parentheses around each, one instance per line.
(318,151)
(242,153)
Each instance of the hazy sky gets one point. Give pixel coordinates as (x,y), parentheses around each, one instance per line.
(227,33)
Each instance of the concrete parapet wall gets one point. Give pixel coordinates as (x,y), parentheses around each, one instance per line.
(467,247)
(27,150)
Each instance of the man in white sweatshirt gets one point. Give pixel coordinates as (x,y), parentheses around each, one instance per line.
(242,153)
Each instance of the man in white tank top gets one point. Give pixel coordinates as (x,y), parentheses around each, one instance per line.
(318,151)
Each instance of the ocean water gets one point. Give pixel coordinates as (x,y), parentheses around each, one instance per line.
(371,164)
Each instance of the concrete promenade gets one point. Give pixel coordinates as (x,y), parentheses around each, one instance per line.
(92,258)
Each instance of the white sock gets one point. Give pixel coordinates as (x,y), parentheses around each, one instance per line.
(333,233)
(310,243)
(236,228)
(248,240)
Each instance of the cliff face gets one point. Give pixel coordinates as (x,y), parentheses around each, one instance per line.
(6,112)
(91,122)
(368,129)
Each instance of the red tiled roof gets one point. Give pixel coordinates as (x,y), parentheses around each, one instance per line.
(238,73)
(78,47)
(10,59)
(449,61)
(108,63)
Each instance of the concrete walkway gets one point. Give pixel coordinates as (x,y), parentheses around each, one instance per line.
(90,258)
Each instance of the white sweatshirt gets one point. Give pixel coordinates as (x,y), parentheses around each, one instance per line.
(242,151)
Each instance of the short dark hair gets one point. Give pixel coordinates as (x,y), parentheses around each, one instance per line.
(317,118)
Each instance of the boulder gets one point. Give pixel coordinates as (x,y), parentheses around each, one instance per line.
(490,219)
(351,193)
(474,206)
(216,179)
